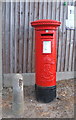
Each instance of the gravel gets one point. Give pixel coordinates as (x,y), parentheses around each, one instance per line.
(61,107)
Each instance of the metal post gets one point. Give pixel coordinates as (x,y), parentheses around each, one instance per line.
(18,97)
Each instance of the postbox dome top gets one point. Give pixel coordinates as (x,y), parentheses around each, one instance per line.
(43,22)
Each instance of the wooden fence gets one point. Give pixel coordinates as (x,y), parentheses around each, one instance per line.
(18,35)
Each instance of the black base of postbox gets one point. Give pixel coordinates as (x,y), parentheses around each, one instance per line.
(45,94)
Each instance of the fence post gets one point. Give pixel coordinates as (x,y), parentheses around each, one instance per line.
(0,59)
(18,96)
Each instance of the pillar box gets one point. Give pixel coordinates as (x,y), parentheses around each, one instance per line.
(45,59)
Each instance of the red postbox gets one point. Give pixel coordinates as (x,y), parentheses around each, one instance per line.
(45,59)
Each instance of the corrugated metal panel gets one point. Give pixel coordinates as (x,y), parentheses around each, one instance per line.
(18,35)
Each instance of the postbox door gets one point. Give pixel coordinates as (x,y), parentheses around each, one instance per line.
(45,58)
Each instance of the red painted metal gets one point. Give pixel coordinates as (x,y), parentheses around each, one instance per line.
(45,63)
